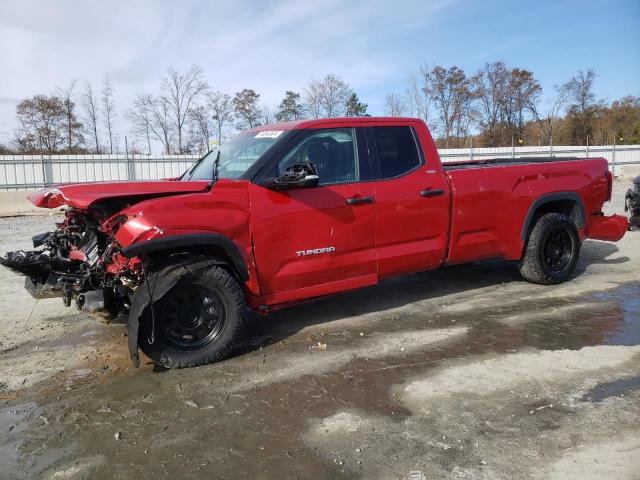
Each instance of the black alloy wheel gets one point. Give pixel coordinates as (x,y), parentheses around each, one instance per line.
(190,317)
(557,250)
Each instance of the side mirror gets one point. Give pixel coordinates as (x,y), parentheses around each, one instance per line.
(298,175)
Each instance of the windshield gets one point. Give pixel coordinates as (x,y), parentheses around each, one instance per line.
(236,156)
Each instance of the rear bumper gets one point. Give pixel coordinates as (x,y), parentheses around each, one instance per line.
(612,229)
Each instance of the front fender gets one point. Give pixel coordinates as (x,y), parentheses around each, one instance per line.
(173,242)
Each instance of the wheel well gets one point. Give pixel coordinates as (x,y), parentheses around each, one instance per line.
(161,258)
(208,244)
(568,203)
(568,207)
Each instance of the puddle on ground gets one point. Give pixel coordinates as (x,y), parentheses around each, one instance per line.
(612,389)
(17,460)
(628,331)
(197,422)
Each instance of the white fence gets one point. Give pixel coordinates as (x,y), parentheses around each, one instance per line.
(29,172)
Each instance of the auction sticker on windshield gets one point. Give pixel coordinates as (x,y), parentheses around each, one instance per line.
(269,134)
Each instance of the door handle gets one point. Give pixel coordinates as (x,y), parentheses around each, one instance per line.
(431,192)
(359,200)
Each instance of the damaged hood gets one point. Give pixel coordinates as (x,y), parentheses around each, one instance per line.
(82,195)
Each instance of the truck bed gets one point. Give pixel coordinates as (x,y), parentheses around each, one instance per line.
(489,205)
(501,162)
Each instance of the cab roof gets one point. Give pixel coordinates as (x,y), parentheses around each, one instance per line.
(337,122)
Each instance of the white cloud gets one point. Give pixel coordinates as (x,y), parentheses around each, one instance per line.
(267,45)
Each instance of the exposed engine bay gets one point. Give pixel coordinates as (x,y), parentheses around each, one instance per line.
(81,262)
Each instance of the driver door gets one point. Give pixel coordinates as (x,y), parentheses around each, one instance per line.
(317,240)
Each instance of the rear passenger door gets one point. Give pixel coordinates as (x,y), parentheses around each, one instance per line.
(412,202)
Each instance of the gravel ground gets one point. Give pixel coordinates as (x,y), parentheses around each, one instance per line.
(466,372)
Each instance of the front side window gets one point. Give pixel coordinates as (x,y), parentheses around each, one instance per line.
(236,156)
(397,150)
(333,152)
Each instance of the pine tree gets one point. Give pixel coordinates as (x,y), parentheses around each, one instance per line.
(355,108)
(290,107)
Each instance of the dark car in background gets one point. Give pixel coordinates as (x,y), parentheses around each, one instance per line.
(632,203)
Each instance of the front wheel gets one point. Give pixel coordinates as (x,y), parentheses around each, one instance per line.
(196,322)
(552,250)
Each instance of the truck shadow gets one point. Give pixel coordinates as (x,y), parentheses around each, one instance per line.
(389,294)
(597,253)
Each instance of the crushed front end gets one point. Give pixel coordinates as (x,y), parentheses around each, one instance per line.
(80,261)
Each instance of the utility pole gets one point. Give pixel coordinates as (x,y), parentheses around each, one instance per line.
(613,157)
(131,167)
(587,146)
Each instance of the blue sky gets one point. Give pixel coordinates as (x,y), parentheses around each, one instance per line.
(272,46)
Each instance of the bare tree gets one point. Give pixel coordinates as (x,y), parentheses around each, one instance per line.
(580,90)
(152,116)
(491,86)
(201,126)
(181,90)
(334,95)
(418,92)
(89,103)
(108,109)
(327,98)
(525,91)
(394,106)
(140,118)
(221,107)
(267,114)
(161,124)
(464,111)
(582,106)
(73,127)
(548,120)
(449,92)
(507,100)
(312,98)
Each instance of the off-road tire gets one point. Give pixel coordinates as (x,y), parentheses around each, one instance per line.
(533,265)
(216,280)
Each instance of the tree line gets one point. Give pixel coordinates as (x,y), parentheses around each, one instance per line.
(501,106)
(182,117)
(496,106)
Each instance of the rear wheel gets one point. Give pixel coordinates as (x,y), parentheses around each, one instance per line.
(196,322)
(552,250)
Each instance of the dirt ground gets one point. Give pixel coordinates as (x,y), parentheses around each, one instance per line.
(464,373)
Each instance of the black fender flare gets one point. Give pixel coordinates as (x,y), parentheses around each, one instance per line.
(173,242)
(553,197)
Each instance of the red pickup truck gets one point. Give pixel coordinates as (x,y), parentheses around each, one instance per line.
(287,212)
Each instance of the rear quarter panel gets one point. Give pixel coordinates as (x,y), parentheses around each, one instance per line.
(490,204)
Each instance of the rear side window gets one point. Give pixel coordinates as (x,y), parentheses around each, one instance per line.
(397,150)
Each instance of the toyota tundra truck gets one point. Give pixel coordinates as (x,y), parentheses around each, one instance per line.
(288,212)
